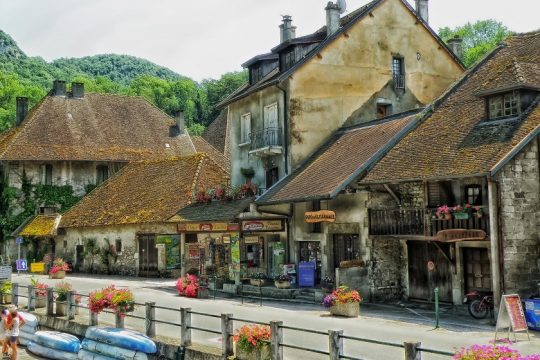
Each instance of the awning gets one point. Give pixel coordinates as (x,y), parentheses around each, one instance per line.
(452,236)
(41,226)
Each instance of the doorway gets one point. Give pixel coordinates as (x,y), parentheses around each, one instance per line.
(344,248)
(148,255)
(477,270)
(311,251)
(79,257)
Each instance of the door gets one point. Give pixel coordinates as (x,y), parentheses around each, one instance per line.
(79,257)
(311,251)
(344,248)
(477,270)
(148,256)
(423,278)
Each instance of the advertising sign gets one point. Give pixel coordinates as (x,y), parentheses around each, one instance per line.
(235,252)
(37,267)
(511,315)
(172,248)
(207,227)
(262,225)
(312,217)
(193,251)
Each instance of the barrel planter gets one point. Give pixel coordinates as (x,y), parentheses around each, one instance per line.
(351,309)
(58,275)
(282,284)
(61,309)
(262,353)
(41,302)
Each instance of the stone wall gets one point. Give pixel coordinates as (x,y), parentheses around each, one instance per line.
(520,212)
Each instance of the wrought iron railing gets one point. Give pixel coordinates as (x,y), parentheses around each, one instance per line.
(265,138)
(399,81)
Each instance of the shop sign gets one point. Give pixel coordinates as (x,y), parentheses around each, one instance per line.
(233,227)
(251,239)
(226,239)
(312,217)
(193,251)
(262,225)
(203,227)
(511,315)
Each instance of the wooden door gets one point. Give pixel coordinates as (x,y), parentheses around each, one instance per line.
(477,270)
(422,281)
(148,255)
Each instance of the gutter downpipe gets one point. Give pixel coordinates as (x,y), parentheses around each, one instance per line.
(495,240)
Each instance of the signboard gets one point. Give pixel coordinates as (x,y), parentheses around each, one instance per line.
(312,217)
(37,267)
(306,274)
(21,265)
(262,225)
(171,250)
(235,252)
(455,235)
(207,227)
(511,315)
(19,240)
(193,251)
(5,272)
(251,239)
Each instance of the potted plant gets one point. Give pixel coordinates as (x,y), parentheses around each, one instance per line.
(5,290)
(61,289)
(479,212)
(252,342)
(41,292)
(188,286)
(462,212)
(444,213)
(121,301)
(58,270)
(257,279)
(327,284)
(282,281)
(343,302)
(248,173)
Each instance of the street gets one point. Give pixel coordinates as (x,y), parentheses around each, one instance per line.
(377,322)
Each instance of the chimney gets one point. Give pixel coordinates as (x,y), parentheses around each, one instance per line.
(456,45)
(77,90)
(22,109)
(180,123)
(332,18)
(422,10)
(59,88)
(287,31)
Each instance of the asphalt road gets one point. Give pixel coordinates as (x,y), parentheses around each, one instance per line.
(378,322)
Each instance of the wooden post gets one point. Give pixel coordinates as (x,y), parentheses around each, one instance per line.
(335,345)
(185,322)
(15,294)
(93,318)
(118,320)
(150,318)
(49,300)
(183,254)
(31,298)
(70,300)
(276,338)
(411,351)
(227,335)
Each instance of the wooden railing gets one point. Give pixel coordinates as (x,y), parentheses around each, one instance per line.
(419,221)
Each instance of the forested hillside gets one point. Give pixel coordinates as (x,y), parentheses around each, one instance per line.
(21,75)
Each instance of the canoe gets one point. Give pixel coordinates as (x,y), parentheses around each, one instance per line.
(25,337)
(88,355)
(112,351)
(57,341)
(29,319)
(124,338)
(49,353)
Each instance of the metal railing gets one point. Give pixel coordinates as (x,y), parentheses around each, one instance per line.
(277,342)
(265,138)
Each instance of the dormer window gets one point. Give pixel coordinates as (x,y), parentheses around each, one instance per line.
(503,105)
(255,74)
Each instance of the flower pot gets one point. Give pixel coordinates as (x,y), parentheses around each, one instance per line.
(479,215)
(7,298)
(58,275)
(447,217)
(257,282)
(262,353)
(282,284)
(41,302)
(61,309)
(461,216)
(347,309)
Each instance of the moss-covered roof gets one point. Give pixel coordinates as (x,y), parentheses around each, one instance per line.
(41,226)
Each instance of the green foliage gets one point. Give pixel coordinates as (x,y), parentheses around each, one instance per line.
(196,129)
(478,38)
(217,90)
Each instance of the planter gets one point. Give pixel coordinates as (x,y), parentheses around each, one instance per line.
(58,275)
(257,282)
(462,216)
(262,353)
(7,298)
(41,302)
(446,217)
(347,309)
(282,284)
(61,309)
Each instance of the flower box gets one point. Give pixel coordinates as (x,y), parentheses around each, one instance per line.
(7,298)
(259,353)
(282,284)
(351,309)
(58,275)
(61,309)
(256,282)
(462,215)
(41,302)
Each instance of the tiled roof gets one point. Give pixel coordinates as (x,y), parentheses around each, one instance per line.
(146,192)
(217,133)
(213,211)
(349,153)
(41,226)
(202,146)
(99,127)
(456,140)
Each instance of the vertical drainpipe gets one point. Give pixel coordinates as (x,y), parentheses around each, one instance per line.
(494,234)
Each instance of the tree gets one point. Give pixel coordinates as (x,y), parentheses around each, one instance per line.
(217,90)
(478,38)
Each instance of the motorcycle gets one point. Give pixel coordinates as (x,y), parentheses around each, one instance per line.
(479,306)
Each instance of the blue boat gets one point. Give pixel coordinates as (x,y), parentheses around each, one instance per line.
(57,341)
(49,353)
(115,352)
(88,355)
(123,338)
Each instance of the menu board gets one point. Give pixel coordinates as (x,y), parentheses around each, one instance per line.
(515,312)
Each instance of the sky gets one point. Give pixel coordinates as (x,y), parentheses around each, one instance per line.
(204,38)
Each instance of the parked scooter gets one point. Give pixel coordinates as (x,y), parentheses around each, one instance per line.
(479,306)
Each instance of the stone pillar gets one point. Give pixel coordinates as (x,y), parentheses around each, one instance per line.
(185,321)
(150,317)
(494,241)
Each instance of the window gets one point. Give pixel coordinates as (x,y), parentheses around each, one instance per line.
(256,74)
(118,246)
(398,72)
(505,105)
(383,110)
(46,174)
(272,177)
(473,194)
(440,193)
(245,128)
(102,173)
(287,59)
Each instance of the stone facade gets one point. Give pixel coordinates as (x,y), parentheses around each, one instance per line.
(520,214)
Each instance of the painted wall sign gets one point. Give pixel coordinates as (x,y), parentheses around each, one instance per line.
(207,227)
(320,216)
(262,225)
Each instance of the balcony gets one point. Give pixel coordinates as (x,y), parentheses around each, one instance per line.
(266,142)
(420,222)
